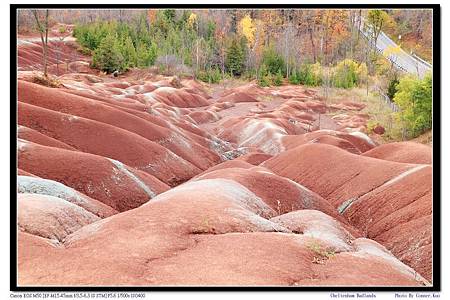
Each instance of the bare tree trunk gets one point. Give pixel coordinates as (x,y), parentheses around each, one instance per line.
(359,26)
(43,28)
(286,51)
(368,70)
(324,51)
(419,27)
(312,43)
(352,32)
(367,85)
(196,63)
(46,43)
(223,61)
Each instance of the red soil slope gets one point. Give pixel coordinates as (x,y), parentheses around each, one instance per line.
(406,152)
(34,136)
(210,225)
(95,110)
(168,185)
(102,139)
(398,215)
(95,176)
(346,179)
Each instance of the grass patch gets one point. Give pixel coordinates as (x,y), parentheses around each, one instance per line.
(204,228)
(425,138)
(376,108)
(321,255)
(85,51)
(46,81)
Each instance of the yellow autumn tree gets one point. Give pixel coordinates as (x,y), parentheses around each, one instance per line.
(247,28)
(192,19)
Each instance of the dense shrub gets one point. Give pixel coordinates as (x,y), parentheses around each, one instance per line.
(414,98)
(345,74)
(250,74)
(294,78)
(371,124)
(49,81)
(264,77)
(310,74)
(265,80)
(362,73)
(392,88)
(213,75)
(273,62)
(382,66)
(278,79)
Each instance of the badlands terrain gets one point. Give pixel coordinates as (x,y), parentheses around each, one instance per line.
(147,180)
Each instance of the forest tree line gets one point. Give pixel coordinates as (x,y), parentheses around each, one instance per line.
(254,43)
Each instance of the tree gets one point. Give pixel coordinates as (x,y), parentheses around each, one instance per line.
(194,24)
(129,53)
(151,16)
(220,38)
(108,57)
(169,14)
(247,28)
(235,57)
(146,56)
(392,88)
(376,19)
(42,25)
(414,98)
(192,20)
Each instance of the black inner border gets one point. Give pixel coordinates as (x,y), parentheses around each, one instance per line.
(436,151)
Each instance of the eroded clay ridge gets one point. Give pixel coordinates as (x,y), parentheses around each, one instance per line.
(148,180)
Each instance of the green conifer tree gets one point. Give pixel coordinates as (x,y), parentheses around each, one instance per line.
(129,53)
(108,57)
(235,58)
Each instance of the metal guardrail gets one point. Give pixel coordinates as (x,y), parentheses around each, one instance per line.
(423,61)
(394,107)
(415,64)
(380,51)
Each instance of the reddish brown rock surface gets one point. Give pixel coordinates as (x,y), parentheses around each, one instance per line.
(379,129)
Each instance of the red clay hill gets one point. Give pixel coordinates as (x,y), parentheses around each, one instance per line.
(138,181)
